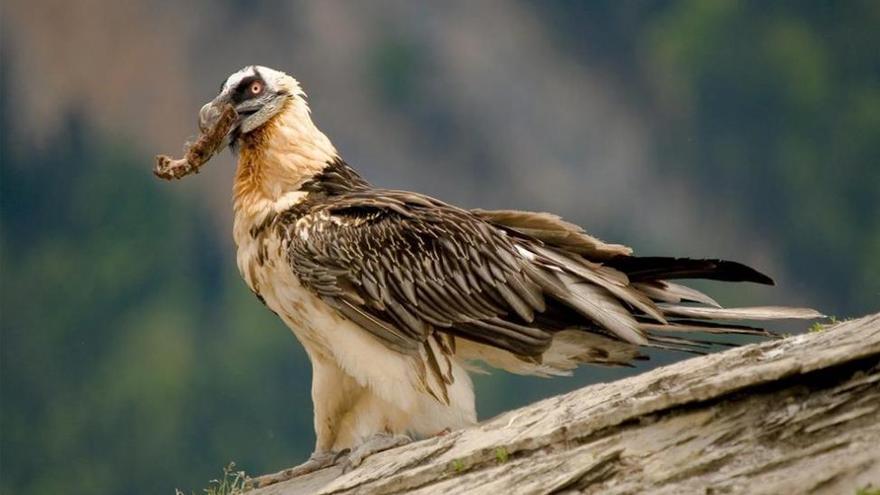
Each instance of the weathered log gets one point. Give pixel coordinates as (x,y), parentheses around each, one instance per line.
(797,415)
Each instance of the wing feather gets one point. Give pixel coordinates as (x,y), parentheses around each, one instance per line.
(664,291)
(402,275)
(752,313)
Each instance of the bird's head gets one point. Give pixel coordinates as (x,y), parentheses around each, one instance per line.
(258,94)
(277,145)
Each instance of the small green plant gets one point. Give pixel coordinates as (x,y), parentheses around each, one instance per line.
(501,455)
(232,483)
(869,489)
(817,327)
(458,465)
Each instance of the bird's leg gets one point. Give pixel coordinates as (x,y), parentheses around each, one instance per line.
(316,462)
(373,445)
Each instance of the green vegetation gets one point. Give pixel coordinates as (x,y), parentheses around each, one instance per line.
(868,490)
(231,483)
(501,455)
(821,327)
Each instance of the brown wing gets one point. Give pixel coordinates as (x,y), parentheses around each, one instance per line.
(401,265)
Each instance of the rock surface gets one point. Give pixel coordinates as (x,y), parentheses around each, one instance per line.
(797,415)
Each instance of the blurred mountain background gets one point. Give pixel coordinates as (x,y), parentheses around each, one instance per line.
(133,359)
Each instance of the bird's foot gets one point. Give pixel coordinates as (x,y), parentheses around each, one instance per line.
(377,443)
(316,462)
(348,459)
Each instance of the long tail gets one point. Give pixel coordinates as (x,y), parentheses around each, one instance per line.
(631,299)
(688,310)
(665,314)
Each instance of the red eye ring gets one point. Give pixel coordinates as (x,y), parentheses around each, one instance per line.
(256,87)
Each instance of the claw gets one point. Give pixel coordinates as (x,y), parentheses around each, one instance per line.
(379,442)
(316,462)
(347,458)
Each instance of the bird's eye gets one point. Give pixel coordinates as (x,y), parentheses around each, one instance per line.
(256,87)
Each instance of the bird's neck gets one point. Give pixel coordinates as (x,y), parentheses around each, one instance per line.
(281,164)
(276,159)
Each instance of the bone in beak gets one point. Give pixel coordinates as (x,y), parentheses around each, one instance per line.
(215,123)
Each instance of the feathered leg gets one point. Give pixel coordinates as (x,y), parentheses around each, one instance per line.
(333,394)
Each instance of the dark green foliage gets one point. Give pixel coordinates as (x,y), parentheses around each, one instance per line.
(774,107)
(786,109)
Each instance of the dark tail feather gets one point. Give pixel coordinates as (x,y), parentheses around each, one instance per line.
(648,268)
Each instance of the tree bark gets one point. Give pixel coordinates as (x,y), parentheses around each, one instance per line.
(797,415)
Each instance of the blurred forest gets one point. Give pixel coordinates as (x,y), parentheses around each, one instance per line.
(133,359)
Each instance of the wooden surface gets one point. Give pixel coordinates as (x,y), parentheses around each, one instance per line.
(798,415)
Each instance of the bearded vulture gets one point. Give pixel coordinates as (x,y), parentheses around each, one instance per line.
(395,294)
